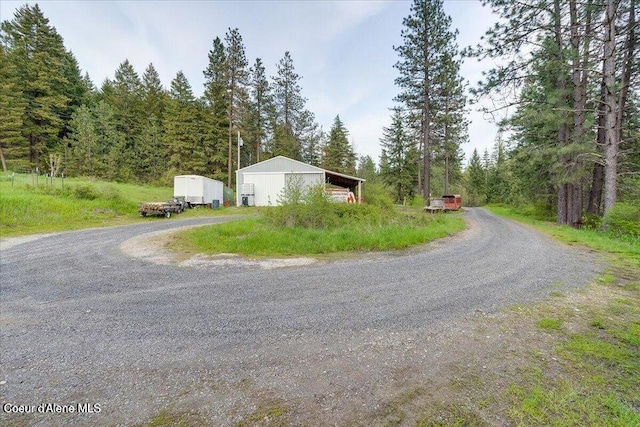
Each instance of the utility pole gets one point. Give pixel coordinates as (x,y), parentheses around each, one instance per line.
(240,144)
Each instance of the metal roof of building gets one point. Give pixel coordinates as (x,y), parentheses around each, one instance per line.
(285,164)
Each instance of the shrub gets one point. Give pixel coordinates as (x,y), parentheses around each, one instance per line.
(84,192)
(538,210)
(377,195)
(624,218)
(591,221)
(417,202)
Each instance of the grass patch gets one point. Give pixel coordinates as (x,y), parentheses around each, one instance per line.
(175,419)
(549,324)
(271,414)
(256,236)
(29,206)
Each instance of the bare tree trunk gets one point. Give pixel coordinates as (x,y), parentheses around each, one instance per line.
(426,128)
(627,67)
(446,148)
(597,185)
(4,161)
(595,195)
(611,133)
(579,78)
(565,191)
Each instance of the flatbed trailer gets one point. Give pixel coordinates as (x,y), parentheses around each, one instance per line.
(160,208)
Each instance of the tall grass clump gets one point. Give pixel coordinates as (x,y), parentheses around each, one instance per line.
(624,219)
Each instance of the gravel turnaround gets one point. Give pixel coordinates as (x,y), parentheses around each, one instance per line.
(83,323)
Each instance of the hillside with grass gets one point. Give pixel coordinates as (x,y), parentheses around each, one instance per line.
(30,204)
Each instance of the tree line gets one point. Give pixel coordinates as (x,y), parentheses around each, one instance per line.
(568,79)
(133,129)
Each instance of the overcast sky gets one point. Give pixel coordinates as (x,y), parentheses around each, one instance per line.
(342,49)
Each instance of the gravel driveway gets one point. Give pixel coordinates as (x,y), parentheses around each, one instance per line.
(83,323)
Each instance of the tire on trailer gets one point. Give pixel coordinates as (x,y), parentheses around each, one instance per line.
(167,214)
(143,214)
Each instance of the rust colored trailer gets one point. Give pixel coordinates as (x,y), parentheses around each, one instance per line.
(452,202)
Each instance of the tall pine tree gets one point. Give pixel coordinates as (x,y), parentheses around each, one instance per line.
(237,73)
(427,41)
(338,154)
(215,112)
(289,105)
(41,66)
(399,169)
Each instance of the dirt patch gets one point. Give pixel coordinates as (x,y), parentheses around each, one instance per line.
(153,247)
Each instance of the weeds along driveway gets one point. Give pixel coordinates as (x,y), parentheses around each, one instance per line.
(81,322)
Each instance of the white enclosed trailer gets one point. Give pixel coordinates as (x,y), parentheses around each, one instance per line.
(198,190)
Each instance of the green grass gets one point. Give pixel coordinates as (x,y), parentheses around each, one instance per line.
(600,375)
(549,324)
(29,207)
(597,381)
(255,236)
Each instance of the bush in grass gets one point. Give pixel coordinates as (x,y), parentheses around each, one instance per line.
(624,218)
(377,195)
(417,201)
(312,208)
(591,221)
(538,210)
(111,193)
(84,192)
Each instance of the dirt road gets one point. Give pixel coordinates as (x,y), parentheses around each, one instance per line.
(81,322)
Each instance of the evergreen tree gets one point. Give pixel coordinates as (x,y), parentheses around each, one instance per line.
(153,95)
(313,144)
(476,181)
(83,151)
(91,92)
(367,169)
(125,97)
(311,139)
(289,105)
(338,154)
(499,176)
(151,149)
(12,106)
(258,112)
(181,125)
(75,89)
(449,122)
(427,40)
(112,154)
(37,56)
(237,73)
(399,169)
(215,112)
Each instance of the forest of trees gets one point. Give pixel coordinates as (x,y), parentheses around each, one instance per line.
(567,76)
(570,73)
(133,129)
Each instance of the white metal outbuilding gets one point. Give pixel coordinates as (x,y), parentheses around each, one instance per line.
(262,184)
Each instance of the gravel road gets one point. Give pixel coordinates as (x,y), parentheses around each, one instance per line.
(83,323)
